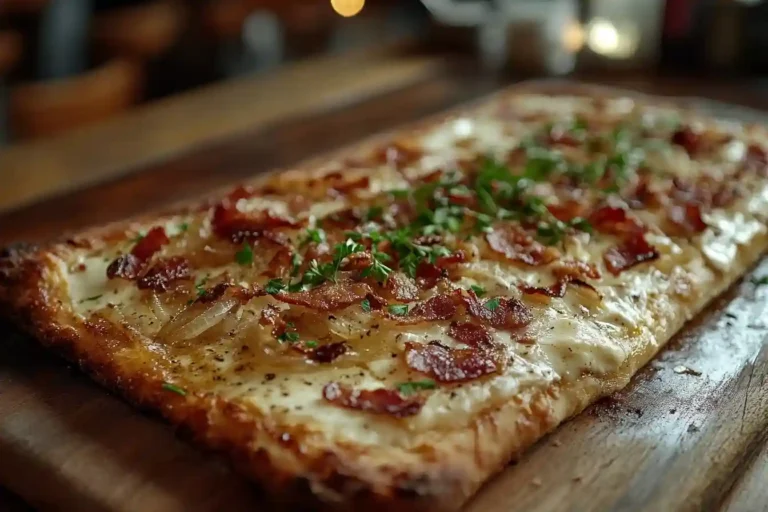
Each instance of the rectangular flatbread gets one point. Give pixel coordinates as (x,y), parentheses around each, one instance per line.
(387,328)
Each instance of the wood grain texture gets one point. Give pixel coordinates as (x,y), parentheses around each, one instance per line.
(671,441)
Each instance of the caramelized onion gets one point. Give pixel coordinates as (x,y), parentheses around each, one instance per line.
(195,320)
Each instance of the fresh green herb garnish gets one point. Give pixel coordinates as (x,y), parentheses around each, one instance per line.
(365,305)
(760,281)
(479,290)
(314,235)
(296,261)
(184,226)
(409,388)
(374,212)
(493,304)
(274,286)
(245,255)
(174,389)
(311,344)
(398,309)
(289,336)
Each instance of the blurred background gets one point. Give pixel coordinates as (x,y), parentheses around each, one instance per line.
(69,63)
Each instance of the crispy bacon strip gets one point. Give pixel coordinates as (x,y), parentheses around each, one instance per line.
(401,287)
(328,353)
(686,219)
(446,364)
(471,334)
(517,245)
(613,221)
(377,401)
(632,251)
(439,307)
(510,313)
(130,266)
(230,223)
(332,296)
(687,139)
(566,272)
(428,274)
(160,276)
(756,160)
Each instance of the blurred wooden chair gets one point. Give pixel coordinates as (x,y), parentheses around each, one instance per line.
(143,32)
(43,109)
(11,48)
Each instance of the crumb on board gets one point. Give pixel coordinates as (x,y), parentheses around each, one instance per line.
(536,482)
(557,443)
(684,370)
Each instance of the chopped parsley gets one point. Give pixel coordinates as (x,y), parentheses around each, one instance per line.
(493,304)
(479,290)
(311,344)
(316,236)
(173,388)
(245,255)
(374,212)
(398,309)
(409,388)
(184,226)
(289,336)
(366,305)
(760,281)
(274,286)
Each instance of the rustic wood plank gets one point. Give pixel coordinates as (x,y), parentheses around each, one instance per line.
(38,169)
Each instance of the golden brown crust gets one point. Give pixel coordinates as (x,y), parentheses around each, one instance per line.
(284,461)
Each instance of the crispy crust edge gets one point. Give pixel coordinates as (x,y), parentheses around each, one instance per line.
(29,298)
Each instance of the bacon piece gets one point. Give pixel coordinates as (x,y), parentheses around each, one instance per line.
(686,219)
(230,223)
(331,296)
(756,160)
(130,266)
(517,245)
(468,200)
(377,401)
(575,270)
(687,139)
(280,264)
(126,266)
(346,219)
(613,221)
(165,272)
(428,274)
(439,307)
(471,334)
(567,210)
(341,186)
(632,251)
(643,196)
(446,364)
(402,287)
(508,314)
(329,353)
(154,240)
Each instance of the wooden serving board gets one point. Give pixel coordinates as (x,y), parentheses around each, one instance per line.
(689,433)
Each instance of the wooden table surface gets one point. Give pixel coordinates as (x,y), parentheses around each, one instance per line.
(669,442)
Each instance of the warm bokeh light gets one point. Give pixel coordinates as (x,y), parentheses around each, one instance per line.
(573,36)
(615,41)
(347,8)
